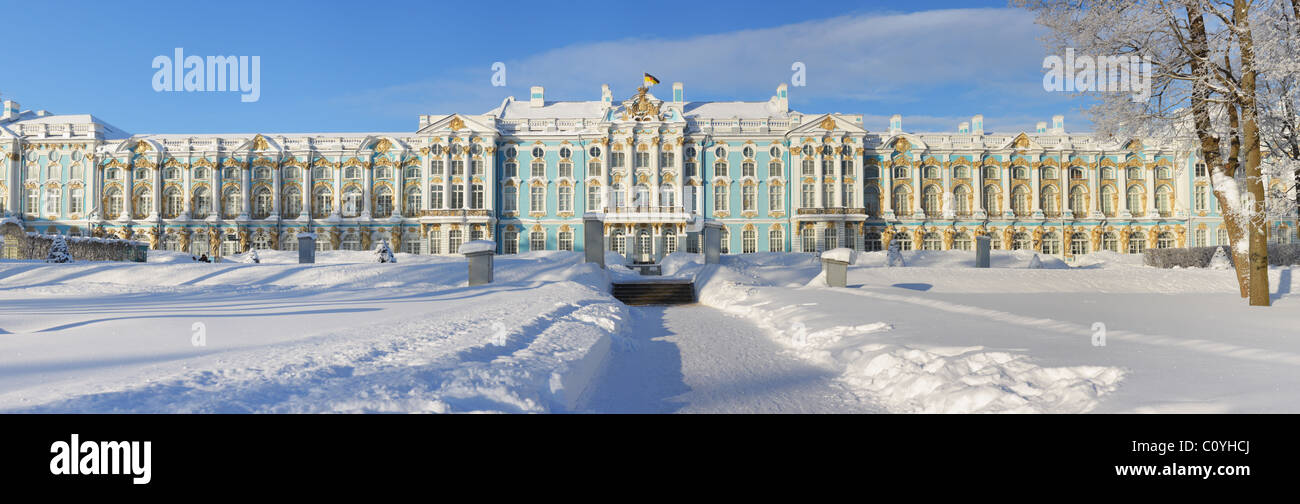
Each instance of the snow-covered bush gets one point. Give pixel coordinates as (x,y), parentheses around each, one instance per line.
(1035,262)
(1192,257)
(252,257)
(384,253)
(1284,254)
(58,251)
(1220,260)
(894,259)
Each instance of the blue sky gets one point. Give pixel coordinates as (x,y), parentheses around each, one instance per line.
(374,66)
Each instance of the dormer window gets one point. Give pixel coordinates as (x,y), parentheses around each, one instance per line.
(436,150)
(475,149)
(690,152)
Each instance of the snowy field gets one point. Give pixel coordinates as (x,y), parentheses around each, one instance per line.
(349,335)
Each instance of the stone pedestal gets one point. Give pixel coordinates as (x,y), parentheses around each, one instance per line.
(712,246)
(480,267)
(593,240)
(982,248)
(837,272)
(306,249)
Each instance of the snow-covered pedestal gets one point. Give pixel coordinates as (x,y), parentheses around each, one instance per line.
(479,253)
(835,266)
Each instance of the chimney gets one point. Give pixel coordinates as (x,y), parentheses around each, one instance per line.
(10,110)
(679,93)
(964,127)
(782,98)
(895,124)
(1058,124)
(977,124)
(606,96)
(537,96)
(1041,127)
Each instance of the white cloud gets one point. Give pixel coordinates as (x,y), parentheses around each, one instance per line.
(881,58)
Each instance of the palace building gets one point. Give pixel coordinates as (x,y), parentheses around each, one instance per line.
(524,174)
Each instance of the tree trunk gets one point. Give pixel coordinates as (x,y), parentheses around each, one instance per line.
(1259,293)
(1210,143)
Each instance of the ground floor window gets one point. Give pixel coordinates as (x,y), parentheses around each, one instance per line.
(230,244)
(961,241)
(1078,244)
(410,245)
(850,238)
(510,242)
(1202,238)
(261,241)
(1109,242)
(435,242)
(807,240)
(1221,236)
(198,245)
(617,243)
(566,240)
(670,242)
(871,242)
(172,242)
(775,240)
(1052,243)
(1020,241)
(748,241)
(537,240)
(454,238)
(351,242)
(289,243)
(931,241)
(693,243)
(322,243)
(1165,240)
(903,239)
(726,240)
(1136,244)
(832,239)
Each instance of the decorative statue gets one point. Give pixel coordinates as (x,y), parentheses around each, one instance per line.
(243,240)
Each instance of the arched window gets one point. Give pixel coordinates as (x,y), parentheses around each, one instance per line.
(930,201)
(931,241)
(113,203)
(667,196)
(1165,240)
(1137,243)
(291,203)
(961,241)
(143,205)
(903,239)
(1020,241)
(961,201)
(201,205)
(1109,242)
(1079,201)
(322,202)
(808,239)
(871,241)
(872,201)
(748,241)
(564,240)
(1164,201)
(414,201)
(173,203)
(1078,243)
(1051,203)
(262,203)
(1051,243)
(1020,201)
(990,200)
(643,197)
(231,203)
(537,240)
(383,202)
(351,200)
(1108,200)
(670,241)
(1134,202)
(900,203)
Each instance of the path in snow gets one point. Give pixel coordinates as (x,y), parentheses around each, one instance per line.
(696,359)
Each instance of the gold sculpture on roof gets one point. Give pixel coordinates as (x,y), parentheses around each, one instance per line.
(641,108)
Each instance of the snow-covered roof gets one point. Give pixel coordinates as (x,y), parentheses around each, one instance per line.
(731,110)
(33,118)
(512,109)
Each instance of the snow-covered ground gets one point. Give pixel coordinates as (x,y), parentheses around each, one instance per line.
(344,335)
(350,335)
(941,336)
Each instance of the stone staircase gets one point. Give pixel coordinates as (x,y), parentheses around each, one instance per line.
(659,292)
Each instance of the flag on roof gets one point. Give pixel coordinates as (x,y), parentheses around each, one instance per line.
(650,80)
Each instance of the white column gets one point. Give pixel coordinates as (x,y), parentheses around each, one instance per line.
(426,191)
(337,211)
(305,211)
(977,185)
(1004,175)
(489,179)
(1035,189)
(1122,193)
(367,178)
(277,184)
